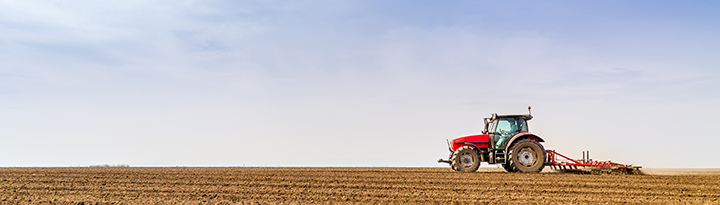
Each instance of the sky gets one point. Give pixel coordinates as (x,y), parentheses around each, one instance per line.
(353,83)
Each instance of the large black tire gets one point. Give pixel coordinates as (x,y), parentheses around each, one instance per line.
(465,159)
(528,156)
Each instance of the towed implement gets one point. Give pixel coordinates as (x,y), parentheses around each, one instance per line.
(506,140)
(565,164)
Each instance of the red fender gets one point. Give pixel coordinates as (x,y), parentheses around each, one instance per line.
(523,135)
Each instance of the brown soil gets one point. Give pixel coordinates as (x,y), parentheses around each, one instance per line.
(118,185)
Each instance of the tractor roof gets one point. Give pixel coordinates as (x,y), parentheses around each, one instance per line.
(526,117)
(495,116)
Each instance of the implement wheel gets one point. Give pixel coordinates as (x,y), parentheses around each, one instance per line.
(528,156)
(465,159)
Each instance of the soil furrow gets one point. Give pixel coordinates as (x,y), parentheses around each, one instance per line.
(343,185)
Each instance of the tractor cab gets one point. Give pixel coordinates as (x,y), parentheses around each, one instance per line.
(503,127)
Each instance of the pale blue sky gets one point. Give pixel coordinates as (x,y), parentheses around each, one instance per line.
(352,83)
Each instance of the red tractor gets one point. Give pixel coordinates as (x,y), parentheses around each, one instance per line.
(505,140)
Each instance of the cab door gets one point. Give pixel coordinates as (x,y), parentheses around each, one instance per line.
(506,129)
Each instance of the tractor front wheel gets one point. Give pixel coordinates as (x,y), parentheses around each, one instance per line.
(465,159)
(528,156)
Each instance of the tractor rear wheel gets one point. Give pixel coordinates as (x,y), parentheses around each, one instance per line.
(528,156)
(465,159)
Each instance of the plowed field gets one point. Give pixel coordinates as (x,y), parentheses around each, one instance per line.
(118,185)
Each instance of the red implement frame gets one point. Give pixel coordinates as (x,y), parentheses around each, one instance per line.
(563,163)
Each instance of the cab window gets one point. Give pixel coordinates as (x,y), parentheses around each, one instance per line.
(506,126)
(523,125)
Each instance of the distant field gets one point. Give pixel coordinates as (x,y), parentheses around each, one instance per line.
(667,171)
(130,185)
